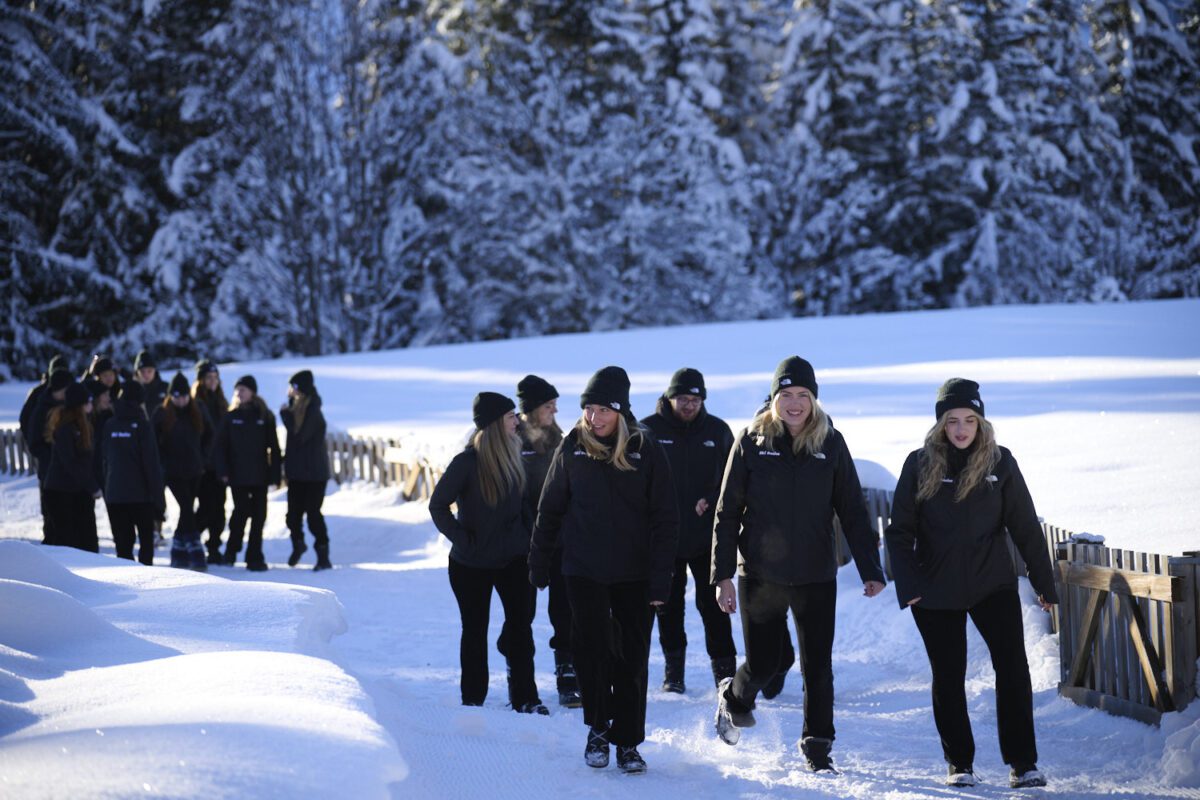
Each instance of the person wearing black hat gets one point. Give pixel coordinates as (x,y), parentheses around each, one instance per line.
(71,487)
(185,436)
(247,459)
(306,466)
(697,445)
(959,500)
(103,369)
(210,499)
(608,505)
(540,435)
(788,474)
(40,400)
(102,401)
(130,475)
(154,388)
(489,544)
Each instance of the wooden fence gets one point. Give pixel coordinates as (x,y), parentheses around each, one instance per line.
(14,458)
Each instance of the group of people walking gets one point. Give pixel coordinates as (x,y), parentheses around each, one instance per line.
(611,517)
(130,437)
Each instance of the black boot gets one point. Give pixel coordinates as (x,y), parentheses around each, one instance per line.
(299,548)
(322,559)
(567,683)
(723,667)
(673,673)
(816,753)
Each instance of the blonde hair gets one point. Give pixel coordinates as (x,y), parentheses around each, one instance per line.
(812,436)
(300,403)
(499,462)
(616,455)
(542,438)
(982,461)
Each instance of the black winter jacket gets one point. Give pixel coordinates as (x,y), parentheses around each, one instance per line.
(482,536)
(612,526)
(38,445)
(246,450)
(27,410)
(775,517)
(952,555)
(697,452)
(216,414)
(71,469)
(127,459)
(306,458)
(183,450)
(537,466)
(153,394)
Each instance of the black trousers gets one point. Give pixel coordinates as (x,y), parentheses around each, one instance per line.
(764,607)
(249,503)
(998,620)
(210,509)
(73,519)
(125,518)
(305,498)
(472,588)
(611,640)
(718,630)
(559,609)
(184,491)
(48,536)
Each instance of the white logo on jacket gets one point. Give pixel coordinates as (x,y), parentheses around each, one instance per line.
(819,455)
(666,441)
(709,443)
(768,452)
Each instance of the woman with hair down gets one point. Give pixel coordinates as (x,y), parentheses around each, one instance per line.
(955,499)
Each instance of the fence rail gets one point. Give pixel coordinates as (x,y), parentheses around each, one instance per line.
(1128,623)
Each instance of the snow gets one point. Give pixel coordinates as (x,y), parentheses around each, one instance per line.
(118,679)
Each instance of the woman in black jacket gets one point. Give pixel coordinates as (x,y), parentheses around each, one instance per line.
(247,459)
(185,435)
(130,475)
(71,488)
(609,506)
(787,475)
(540,436)
(490,542)
(306,465)
(954,501)
(210,499)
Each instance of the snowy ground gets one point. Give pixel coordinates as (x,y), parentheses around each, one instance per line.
(119,680)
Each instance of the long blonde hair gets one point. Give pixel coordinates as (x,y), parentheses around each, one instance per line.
(812,437)
(499,462)
(300,404)
(615,455)
(982,461)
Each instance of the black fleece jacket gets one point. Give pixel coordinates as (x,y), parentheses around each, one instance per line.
(483,536)
(954,554)
(71,469)
(613,526)
(306,458)
(697,452)
(183,450)
(775,516)
(246,451)
(127,458)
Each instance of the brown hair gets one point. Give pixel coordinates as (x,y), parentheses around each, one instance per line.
(171,413)
(203,395)
(300,403)
(61,415)
(933,467)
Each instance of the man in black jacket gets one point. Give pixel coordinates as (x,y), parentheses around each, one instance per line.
(697,445)
(154,388)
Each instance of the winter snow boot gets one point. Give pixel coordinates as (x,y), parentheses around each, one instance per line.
(532,707)
(729,722)
(322,559)
(567,683)
(214,555)
(630,761)
(179,554)
(673,672)
(196,559)
(299,548)
(1023,776)
(816,753)
(960,776)
(596,751)
(723,667)
(230,557)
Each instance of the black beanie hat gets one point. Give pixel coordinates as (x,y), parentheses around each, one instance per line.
(489,407)
(247,381)
(302,381)
(794,371)
(179,386)
(203,367)
(144,359)
(533,391)
(100,364)
(58,362)
(608,387)
(131,392)
(687,381)
(77,396)
(95,387)
(60,379)
(958,393)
